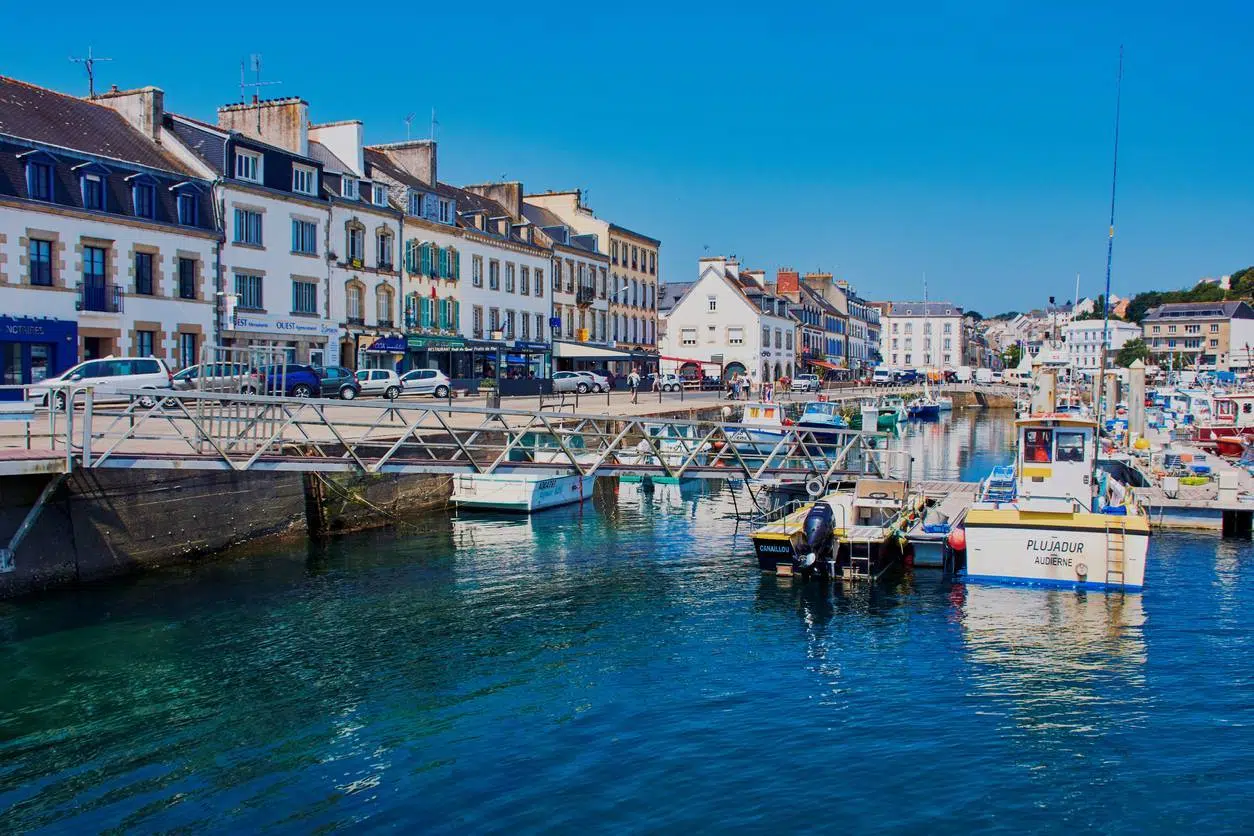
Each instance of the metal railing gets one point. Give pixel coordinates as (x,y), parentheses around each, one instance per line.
(223,431)
(93,296)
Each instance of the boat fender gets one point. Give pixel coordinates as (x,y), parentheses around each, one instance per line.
(805,561)
(877,495)
(958,539)
(1082,570)
(815,486)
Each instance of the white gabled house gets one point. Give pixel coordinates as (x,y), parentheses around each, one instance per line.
(729,316)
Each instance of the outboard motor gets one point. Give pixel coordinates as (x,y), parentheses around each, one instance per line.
(818,532)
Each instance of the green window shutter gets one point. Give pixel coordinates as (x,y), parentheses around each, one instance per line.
(456,272)
(457,314)
(443,315)
(411,256)
(426,313)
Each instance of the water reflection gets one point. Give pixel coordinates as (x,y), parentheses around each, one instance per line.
(963,444)
(1055,660)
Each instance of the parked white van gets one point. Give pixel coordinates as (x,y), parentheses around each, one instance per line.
(882,374)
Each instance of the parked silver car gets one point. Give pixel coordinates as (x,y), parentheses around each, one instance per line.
(597,382)
(383,382)
(426,382)
(571,382)
(234,378)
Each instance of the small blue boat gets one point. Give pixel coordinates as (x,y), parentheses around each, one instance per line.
(924,410)
(823,418)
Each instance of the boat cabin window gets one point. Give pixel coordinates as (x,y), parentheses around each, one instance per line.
(1247,407)
(1070,447)
(761,412)
(1037,444)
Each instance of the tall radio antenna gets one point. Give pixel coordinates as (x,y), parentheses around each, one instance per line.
(254,64)
(409,121)
(1110,250)
(90,63)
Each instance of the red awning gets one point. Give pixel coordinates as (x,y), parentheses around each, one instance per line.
(823,364)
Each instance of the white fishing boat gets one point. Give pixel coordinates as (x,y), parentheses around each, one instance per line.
(945,403)
(762,431)
(1042,522)
(525,492)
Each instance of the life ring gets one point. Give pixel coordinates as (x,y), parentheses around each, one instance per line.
(1082,570)
(816,486)
(877,495)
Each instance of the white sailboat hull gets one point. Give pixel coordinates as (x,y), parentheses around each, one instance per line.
(520,492)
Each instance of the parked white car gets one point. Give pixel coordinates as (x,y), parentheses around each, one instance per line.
(668,382)
(806,383)
(107,377)
(383,382)
(426,382)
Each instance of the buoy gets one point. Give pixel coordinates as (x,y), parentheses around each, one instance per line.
(1141,444)
(958,539)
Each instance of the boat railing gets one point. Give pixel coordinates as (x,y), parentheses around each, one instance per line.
(780,511)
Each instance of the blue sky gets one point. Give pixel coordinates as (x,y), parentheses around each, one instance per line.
(877,141)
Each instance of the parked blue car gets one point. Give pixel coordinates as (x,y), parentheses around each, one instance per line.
(293,380)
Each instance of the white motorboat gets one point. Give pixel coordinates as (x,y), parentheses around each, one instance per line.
(525,492)
(762,431)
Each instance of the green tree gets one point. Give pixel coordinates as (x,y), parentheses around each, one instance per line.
(1133,350)
(976,315)
(1012,356)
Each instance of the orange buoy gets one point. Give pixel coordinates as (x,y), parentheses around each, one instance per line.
(958,539)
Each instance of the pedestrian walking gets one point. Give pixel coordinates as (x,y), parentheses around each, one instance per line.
(633,382)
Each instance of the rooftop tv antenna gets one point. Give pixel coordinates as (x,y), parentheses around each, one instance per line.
(90,63)
(409,122)
(434,124)
(254,64)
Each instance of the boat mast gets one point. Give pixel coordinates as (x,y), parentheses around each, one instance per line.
(1110,248)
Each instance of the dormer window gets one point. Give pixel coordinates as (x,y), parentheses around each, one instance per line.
(143,195)
(446,211)
(304,180)
(187,202)
(348,188)
(93,191)
(248,166)
(380,194)
(39,176)
(415,204)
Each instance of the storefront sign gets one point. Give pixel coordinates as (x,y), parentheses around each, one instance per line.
(290,326)
(391,345)
(435,342)
(522,345)
(555,322)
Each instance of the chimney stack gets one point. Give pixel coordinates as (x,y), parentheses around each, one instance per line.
(416,157)
(787,280)
(144,108)
(280,122)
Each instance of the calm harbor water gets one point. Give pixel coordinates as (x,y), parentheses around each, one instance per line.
(624,666)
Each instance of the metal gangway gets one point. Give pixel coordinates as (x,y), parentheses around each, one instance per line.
(238,431)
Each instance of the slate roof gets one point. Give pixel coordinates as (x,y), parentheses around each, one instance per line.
(925,309)
(1183,310)
(51,118)
(671,293)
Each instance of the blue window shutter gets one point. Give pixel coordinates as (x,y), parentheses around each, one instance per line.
(457,315)
(457,265)
(443,313)
(426,313)
(295,236)
(441,262)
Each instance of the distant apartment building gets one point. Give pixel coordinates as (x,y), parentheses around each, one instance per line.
(923,335)
(108,240)
(1083,338)
(1210,336)
(835,310)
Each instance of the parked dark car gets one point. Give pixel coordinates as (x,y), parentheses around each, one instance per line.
(293,380)
(711,383)
(338,382)
(906,377)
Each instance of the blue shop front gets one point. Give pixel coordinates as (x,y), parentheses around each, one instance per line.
(33,349)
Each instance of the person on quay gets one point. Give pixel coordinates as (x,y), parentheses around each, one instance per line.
(633,382)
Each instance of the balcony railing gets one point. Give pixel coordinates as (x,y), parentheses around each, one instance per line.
(586,295)
(99,296)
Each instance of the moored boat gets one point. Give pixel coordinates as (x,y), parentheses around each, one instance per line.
(1042,528)
(849,534)
(525,492)
(824,419)
(762,429)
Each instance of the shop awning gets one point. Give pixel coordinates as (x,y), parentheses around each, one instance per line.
(389,345)
(578,351)
(823,364)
